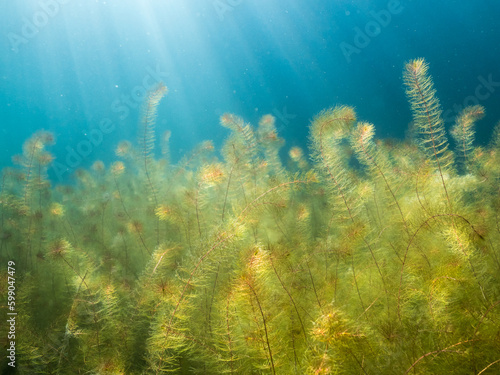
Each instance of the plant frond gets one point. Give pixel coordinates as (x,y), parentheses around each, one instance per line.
(463,133)
(427,112)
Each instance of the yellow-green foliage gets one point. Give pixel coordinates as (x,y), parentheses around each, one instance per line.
(463,132)
(372,258)
(427,112)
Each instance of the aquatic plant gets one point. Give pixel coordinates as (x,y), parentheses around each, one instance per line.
(375,257)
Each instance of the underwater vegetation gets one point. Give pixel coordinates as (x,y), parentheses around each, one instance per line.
(370,257)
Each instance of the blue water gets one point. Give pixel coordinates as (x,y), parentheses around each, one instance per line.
(79,68)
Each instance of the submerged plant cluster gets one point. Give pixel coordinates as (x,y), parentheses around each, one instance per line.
(371,257)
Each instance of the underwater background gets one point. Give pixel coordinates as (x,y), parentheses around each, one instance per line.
(246,57)
(249,187)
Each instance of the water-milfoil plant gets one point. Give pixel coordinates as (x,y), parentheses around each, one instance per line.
(372,257)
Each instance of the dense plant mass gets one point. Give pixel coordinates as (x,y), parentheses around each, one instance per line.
(372,257)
